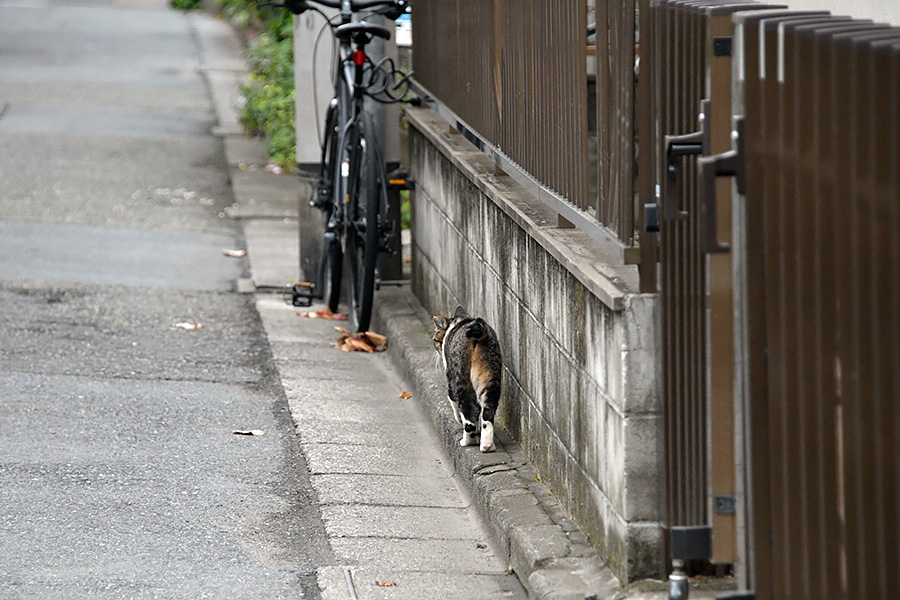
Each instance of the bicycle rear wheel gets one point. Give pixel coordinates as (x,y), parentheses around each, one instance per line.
(367,219)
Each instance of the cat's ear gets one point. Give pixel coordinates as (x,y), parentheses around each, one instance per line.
(439,321)
(460,312)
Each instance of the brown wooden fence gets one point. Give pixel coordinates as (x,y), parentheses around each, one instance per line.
(514,71)
(822,112)
(779,287)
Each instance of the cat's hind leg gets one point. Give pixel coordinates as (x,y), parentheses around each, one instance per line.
(469,414)
(490,397)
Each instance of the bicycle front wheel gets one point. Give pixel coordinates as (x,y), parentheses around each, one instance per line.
(366,203)
(331,260)
(330,272)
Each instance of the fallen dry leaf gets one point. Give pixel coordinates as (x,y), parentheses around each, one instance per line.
(405,395)
(234,253)
(367,341)
(188,326)
(325,313)
(376,338)
(249,432)
(388,583)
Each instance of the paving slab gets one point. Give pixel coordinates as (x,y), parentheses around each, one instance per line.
(264,195)
(465,557)
(338,458)
(414,585)
(383,432)
(388,490)
(362,520)
(273,244)
(241,149)
(347,410)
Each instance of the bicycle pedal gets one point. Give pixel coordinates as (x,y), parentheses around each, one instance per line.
(302,294)
(401,184)
(321,197)
(399,179)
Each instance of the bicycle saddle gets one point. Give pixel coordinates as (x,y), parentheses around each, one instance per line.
(349,31)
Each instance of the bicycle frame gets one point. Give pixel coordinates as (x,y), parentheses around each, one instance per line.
(348,100)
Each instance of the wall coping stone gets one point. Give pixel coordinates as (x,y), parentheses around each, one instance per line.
(573,249)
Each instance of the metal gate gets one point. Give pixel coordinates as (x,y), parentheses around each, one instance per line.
(780,320)
(821,341)
(687,48)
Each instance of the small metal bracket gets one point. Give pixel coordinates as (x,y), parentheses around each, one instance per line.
(651,218)
(725,505)
(722,45)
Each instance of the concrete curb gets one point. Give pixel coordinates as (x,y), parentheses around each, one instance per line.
(546,550)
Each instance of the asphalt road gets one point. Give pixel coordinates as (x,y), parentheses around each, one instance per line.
(120,474)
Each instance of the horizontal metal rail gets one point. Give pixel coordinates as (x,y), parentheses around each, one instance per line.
(618,252)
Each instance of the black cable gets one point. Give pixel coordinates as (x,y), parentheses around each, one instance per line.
(315,86)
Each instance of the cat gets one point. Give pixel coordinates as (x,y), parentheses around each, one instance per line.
(470,353)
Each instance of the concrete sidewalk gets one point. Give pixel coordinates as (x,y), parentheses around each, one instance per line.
(402,501)
(398,520)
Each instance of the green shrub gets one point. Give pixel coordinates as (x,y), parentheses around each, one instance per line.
(269,94)
(186,4)
(405,212)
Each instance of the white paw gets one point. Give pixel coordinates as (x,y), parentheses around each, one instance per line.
(468,439)
(487,436)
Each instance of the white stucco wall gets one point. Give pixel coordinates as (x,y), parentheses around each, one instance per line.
(883,11)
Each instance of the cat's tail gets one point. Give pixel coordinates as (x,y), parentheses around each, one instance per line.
(476,329)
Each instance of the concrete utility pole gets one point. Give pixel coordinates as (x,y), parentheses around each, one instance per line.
(313,65)
(312,83)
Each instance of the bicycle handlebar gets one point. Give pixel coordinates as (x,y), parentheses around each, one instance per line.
(298,7)
(356,5)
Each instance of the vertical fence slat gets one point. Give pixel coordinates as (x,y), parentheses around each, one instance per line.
(757,317)
(887,173)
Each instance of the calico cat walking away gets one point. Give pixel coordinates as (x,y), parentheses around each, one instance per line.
(471,356)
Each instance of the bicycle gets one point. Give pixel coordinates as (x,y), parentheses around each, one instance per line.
(352,185)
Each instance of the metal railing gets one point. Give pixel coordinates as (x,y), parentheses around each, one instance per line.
(512,77)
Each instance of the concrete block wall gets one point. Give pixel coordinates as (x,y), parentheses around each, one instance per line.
(579,341)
